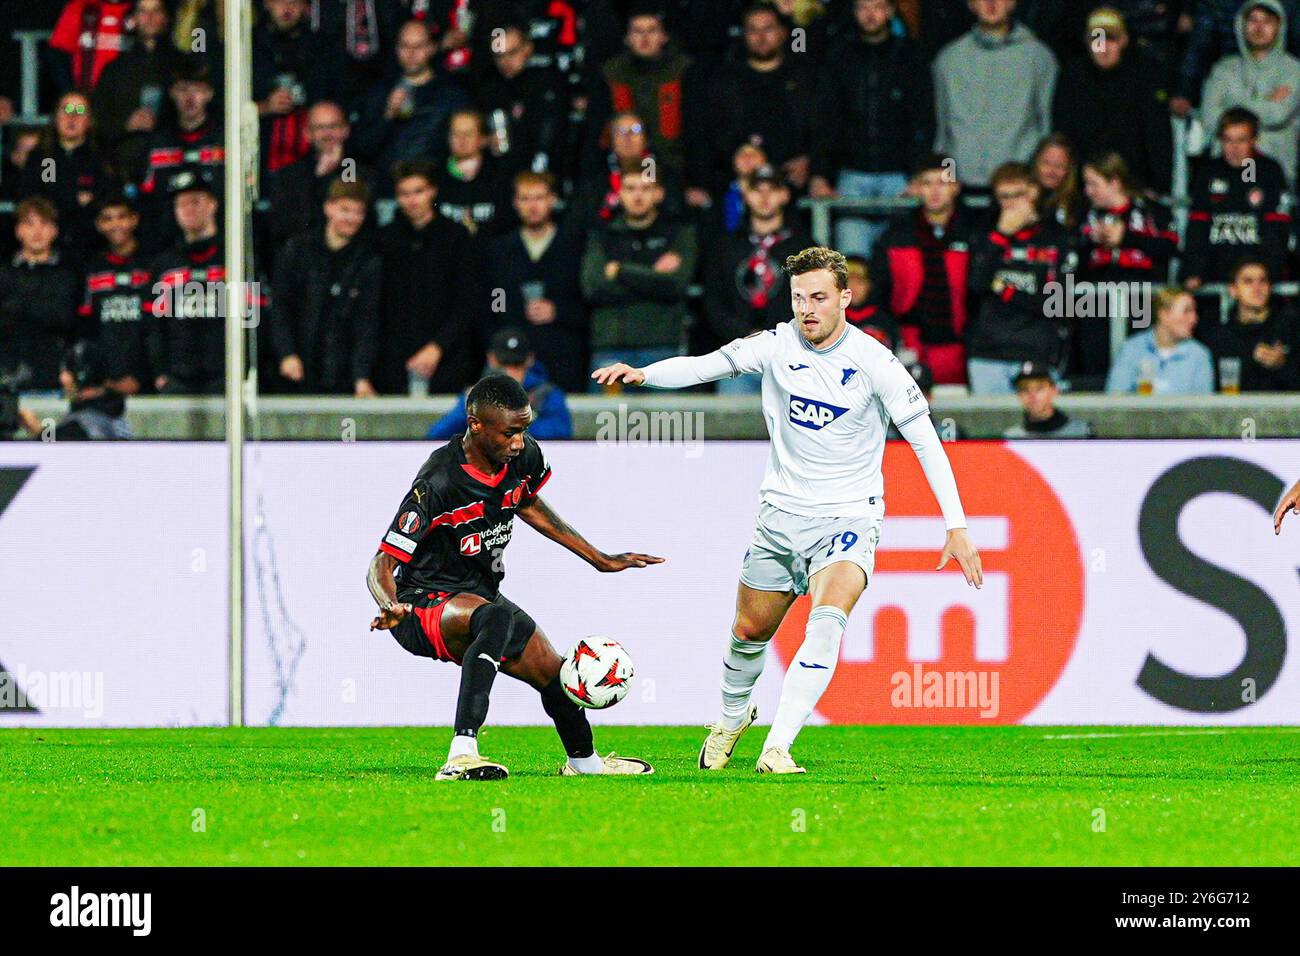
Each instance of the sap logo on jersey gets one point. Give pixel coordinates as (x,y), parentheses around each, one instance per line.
(810,413)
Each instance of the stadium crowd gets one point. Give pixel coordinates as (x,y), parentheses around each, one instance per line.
(596,179)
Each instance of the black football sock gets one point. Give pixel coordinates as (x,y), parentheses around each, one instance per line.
(490,626)
(570,720)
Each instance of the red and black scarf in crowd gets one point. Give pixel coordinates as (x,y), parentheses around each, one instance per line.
(759,275)
(360,27)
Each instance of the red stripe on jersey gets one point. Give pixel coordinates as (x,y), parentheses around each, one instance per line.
(458,515)
(397,553)
(1276,217)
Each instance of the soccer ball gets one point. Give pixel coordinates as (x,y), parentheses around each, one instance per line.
(596,673)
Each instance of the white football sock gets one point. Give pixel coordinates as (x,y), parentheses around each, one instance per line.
(463,745)
(741,666)
(588,764)
(809,675)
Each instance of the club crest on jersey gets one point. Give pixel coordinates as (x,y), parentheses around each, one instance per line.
(513,496)
(848,374)
(471,543)
(409,522)
(810,413)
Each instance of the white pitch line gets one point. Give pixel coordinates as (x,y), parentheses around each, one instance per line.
(1173,733)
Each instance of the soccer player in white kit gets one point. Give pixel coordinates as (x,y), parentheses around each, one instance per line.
(829,392)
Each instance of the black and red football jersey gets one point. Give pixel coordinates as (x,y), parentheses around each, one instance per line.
(455,522)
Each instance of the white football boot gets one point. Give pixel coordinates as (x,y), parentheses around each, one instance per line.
(614,764)
(777,760)
(721,742)
(466,767)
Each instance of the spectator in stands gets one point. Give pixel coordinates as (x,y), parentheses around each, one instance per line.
(1240,206)
(1264,79)
(365,32)
(195,139)
(651,78)
(1165,360)
(596,200)
(290,70)
(1214,35)
(635,273)
(761,98)
(1115,100)
(537,268)
(1262,335)
(1057,175)
(66,167)
(1037,392)
(199,29)
(297,192)
(325,327)
(408,120)
(474,189)
(921,271)
(1012,268)
(731,209)
(745,287)
(430,282)
(190,286)
(89,34)
(993,93)
(129,102)
(1124,239)
(116,300)
(509,354)
(864,309)
(96,411)
(19,142)
(874,118)
(38,300)
(527,106)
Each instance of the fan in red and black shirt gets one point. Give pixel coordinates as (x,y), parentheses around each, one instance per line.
(438,571)
(117,301)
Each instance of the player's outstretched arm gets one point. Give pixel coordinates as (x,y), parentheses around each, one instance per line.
(1290,502)
(924,440)
(682,371)
(383,588)
(542,517)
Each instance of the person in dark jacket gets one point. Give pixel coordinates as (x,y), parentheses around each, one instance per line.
(118,292)
(527,106)
(537,268)
(1116,100)
(1013,267)
(96,411)
(38,300)
(325,325)
(635,273)
(763,98)
(130,101)
(596,200)
(1262,334)
(66,167)
(920,271)
(360,35)
(875,117)
(745,286)
(190,302)
(1240,207)
(509,354)
(864,309)
(430,287)
(407,120)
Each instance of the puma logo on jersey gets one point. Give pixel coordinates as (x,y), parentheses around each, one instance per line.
(810,413)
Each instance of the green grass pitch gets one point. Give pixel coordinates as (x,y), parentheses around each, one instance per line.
(873,796)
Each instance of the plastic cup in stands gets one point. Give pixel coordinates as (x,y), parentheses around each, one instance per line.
(151,98)
(417,386)
(1146,383)
(500,133)
(532,291)
(407,109)
(1230,376)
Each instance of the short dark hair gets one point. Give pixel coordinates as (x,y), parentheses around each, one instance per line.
(1012,173)
(1239,116)
(819,257)
(192,68)
(342,189)
(423,168)
(114,201)
(497,390)
(1247,262)
(930,162)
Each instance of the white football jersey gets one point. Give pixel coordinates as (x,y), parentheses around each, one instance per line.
(828,414)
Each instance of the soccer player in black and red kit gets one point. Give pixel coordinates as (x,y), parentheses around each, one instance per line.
(438,571)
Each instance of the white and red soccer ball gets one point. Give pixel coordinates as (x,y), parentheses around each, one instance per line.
(596,673)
